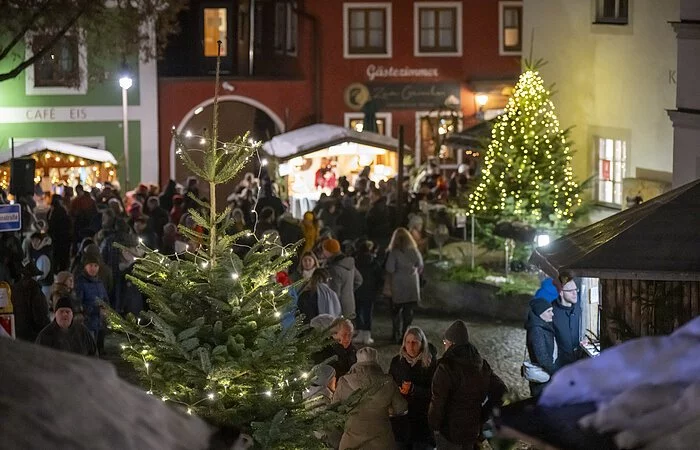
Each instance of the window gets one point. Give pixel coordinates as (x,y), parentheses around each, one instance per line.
(292,22)
(280,35)
(613,12)
(511,28)
(437,28)
(612,157)
(215,29)
(59,67)
(367,30)
(354,121)
(432,129)
(60,71)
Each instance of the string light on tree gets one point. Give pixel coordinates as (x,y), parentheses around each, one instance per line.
(527,174)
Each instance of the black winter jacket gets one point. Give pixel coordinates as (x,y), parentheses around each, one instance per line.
(462,381)
(567,322)
(540,342)
(413,427)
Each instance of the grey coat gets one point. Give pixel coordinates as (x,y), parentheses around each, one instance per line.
(368,426)
(345,279)
(404,267)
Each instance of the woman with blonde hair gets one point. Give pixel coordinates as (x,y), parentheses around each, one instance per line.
(404,264)
(412,370)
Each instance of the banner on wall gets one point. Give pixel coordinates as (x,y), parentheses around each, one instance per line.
(403,95)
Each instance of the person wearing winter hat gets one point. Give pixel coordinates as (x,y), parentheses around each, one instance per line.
(464,390)
(541,345)
(547,290)
(91,293)
(31,309)
(65,335)
(344,276)
(368,426)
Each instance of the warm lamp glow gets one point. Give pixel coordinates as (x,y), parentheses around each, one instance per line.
(481,100)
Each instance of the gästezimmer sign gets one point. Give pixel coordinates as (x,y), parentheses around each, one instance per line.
(374,71)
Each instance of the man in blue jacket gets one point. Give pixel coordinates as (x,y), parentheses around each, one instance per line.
(567,320)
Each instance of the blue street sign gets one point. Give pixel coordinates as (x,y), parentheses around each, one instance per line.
(10,218)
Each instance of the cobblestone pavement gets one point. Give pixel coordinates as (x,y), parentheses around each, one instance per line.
(501,344)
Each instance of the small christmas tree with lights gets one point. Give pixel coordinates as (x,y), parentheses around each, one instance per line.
(211,341)
(527,175)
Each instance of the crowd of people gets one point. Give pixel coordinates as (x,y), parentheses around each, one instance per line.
(65,269)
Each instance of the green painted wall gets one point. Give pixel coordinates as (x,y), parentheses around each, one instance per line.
(104,93)
(112,131)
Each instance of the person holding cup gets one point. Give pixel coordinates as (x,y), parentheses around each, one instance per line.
(412,370)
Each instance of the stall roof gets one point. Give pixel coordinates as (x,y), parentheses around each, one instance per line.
(40,145)
(657,240)
(472,136)
(305,140)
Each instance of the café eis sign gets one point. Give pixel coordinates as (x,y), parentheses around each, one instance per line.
(374,71)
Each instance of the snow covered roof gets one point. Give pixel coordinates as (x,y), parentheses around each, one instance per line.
(40,145)
(657,240)
(319,136)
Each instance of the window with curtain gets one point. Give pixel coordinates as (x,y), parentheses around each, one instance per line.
(612,159)
(367,31)
(438,30)
(615,12)
(60,66)
(512,28)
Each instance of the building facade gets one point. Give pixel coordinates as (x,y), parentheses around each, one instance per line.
(56,99)
(613,64)
(686,115)
(286,64)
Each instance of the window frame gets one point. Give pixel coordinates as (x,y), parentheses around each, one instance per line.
(385,116)
(347,8)
(80,89)
(458,35)
(599,19)
(598,137)
(279,43)
(436,114)
(291,47)
(502,6)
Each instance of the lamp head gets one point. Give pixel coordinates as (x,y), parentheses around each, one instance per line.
(125,82)
(481,100)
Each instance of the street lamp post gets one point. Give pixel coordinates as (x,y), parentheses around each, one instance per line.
(125,83)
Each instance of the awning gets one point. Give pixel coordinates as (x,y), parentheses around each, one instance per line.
(472,135)
(40,145)
(320,136)
(657,240)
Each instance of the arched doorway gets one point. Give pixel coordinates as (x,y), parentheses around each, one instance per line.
(237,115)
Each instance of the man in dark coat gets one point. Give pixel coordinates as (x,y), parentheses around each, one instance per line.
(63,334)
(29,303)
(378,222)
(567,321)
(462,382)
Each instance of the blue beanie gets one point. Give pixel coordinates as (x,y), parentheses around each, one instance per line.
(547,290)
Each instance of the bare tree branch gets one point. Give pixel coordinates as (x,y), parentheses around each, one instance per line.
(18,37)
(28,62)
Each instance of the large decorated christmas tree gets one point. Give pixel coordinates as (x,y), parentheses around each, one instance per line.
(212,341)
(527,173)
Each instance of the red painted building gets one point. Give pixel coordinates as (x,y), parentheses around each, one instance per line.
(290,63)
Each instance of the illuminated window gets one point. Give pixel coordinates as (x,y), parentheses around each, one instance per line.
(614,12)
(215,29)
(511,28)
(612,158)
(356,124)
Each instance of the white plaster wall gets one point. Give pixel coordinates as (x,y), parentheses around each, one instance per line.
(609,77)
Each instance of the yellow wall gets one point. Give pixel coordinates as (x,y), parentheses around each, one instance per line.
(614,80)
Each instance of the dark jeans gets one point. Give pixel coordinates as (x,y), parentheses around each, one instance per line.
(402,318)
(363,319)
(537,388)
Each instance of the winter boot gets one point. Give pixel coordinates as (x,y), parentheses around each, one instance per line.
(368,338)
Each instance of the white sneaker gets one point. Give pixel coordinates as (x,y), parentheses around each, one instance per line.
(359,338)
(368,338)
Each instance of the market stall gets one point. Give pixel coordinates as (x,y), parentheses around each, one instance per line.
(61,164)
(313,158)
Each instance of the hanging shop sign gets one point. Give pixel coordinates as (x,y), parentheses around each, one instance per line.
(374,71)
(10,218)
(403,95)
